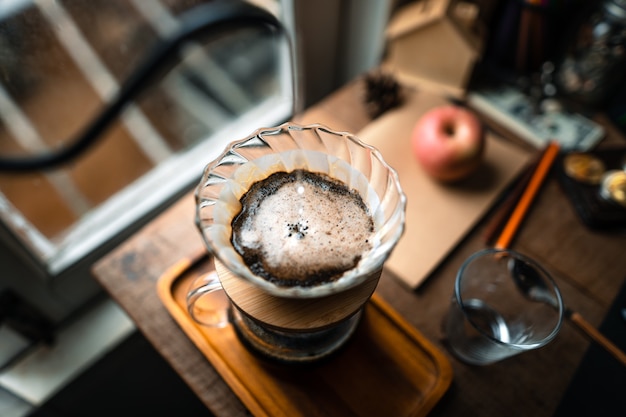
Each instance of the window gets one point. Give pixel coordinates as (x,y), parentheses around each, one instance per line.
(62,61)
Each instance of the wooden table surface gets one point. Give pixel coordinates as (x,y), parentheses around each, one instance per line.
(589,267)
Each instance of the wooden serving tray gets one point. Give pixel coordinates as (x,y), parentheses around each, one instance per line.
(387,367)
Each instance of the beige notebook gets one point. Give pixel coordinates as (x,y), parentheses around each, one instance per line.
(438,215)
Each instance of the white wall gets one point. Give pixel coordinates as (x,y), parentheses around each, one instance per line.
(338,40)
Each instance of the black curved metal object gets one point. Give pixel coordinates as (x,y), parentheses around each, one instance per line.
(208,19)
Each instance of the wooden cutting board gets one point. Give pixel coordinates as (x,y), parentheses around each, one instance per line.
(438,216)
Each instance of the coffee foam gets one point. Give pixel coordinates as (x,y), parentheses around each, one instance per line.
(302,228)
(228,205)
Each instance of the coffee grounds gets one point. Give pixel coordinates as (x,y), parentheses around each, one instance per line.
(301,228)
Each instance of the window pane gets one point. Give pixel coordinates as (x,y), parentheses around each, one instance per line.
(63,60)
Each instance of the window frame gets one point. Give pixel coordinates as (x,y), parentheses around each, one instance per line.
(52,275)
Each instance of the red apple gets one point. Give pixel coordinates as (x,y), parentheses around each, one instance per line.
(449,142)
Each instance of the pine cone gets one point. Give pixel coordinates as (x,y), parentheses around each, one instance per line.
(382,93)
